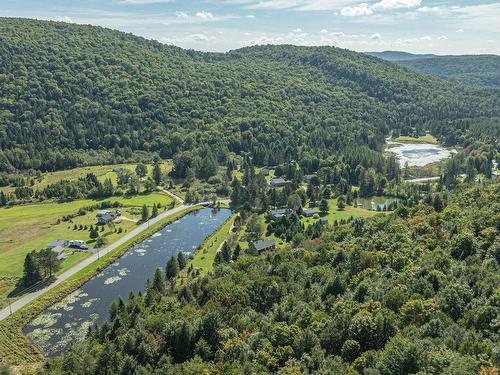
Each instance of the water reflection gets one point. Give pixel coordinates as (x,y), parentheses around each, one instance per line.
(69,320)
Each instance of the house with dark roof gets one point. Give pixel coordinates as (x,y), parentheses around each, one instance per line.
(107,216)
(262,245)
(265,171)
(280,212)
(58,243)
(278,182)
(308,212)
(309,177)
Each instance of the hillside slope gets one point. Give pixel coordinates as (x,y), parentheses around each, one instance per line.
(481,71)
(413,292)
(71,93)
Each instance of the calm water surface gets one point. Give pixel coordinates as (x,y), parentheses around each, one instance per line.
(68,321)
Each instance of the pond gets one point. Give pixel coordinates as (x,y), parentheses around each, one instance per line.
(378,203)
(68,321)
(418,154)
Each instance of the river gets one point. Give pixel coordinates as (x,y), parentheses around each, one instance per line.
(68,321)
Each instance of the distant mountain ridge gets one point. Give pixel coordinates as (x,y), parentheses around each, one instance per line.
(399,55)
(473,70)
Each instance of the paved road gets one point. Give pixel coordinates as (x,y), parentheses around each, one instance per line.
(27,298)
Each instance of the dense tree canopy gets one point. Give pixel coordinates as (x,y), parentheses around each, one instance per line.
(416,291)
(73,94)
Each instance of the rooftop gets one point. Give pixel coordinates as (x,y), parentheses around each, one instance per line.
(261,245)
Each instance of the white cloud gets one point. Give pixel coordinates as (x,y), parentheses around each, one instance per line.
(426,9)
(365,9)
(297,30)
(179,14)
(478,17)
(459,31)
(324,31)
(442,37)
(396,4)
(361,10)
(199,37)
(205,15)
(376,36)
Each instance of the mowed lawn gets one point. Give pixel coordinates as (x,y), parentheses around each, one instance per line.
(428,138)
(101,171)
(205,256)
(30,227)
(345,214)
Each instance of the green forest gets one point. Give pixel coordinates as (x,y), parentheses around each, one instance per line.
(480,71)
(72,95)
(413,292)
(409,287)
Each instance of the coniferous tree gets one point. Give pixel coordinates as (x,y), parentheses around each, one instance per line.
(181,260)
(145,213)
(172,269)
(31,271)
(226,252)
(157,173)
(155,211)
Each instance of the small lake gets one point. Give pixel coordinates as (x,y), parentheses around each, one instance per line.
(379,203)
(418,154)
(68,321)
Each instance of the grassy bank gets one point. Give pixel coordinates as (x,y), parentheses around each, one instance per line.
(204,256)
(17,350)
(428,138)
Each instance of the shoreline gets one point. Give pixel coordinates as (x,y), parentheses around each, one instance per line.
(17,349)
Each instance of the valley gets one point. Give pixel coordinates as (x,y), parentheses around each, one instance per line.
(272,209)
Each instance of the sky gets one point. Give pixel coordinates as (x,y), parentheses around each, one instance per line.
(418,26)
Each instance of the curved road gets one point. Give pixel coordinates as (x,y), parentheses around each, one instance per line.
(27,298)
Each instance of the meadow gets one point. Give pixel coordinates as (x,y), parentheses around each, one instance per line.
(15,348)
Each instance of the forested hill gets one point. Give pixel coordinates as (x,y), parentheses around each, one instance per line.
(413,292)
(481,71)
(70,94)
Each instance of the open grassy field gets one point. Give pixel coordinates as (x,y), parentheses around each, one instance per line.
(101,171)
(33,227)
(428,138)
(17,350)
(345,214)
(29,227)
